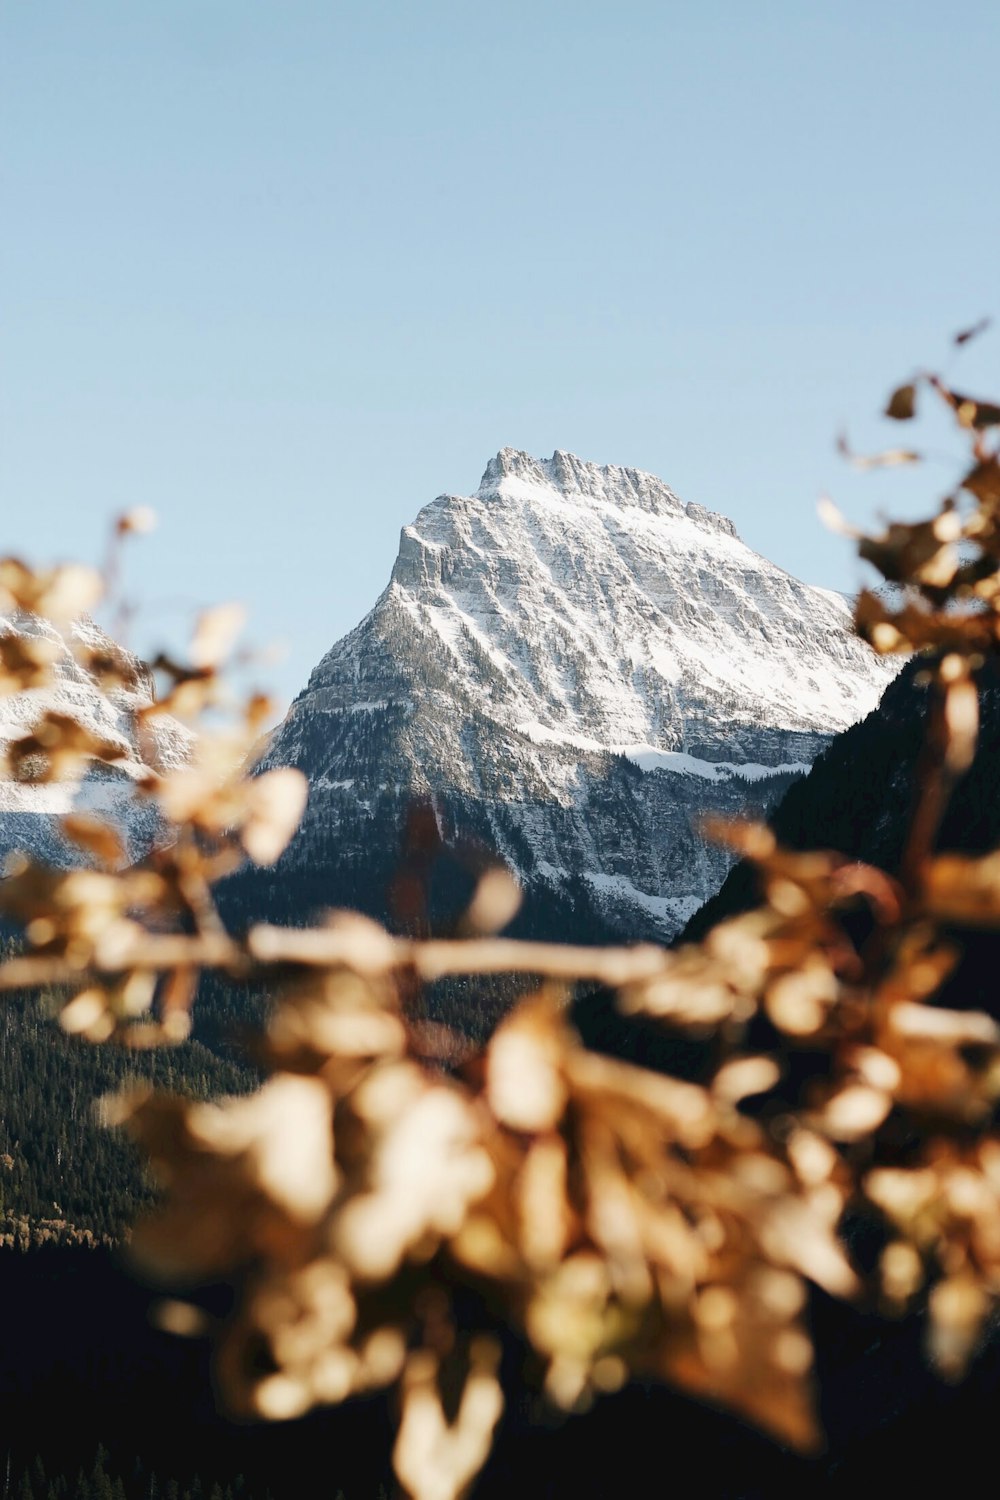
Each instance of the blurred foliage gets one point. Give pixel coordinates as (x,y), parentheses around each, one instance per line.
(394,1196)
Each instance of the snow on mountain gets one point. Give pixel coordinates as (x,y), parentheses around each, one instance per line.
(573,665)
(29,812)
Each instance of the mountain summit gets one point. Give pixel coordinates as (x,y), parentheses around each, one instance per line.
(572,664)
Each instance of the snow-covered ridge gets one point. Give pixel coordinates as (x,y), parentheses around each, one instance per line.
(609,609)
(513,475)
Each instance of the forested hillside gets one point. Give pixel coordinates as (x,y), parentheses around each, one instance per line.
(63,1174)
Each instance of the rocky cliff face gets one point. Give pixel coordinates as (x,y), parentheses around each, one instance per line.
(30,813)
(571,666)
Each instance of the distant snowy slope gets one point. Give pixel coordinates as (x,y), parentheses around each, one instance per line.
(30,813)
(573,664)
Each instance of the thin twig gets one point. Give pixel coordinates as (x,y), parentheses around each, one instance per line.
(369,952)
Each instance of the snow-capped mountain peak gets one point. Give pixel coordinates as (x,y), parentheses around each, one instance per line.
(573,663)
(608,607)
(513,474)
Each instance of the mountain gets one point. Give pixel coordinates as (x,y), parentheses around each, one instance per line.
(568,667)
(30,811)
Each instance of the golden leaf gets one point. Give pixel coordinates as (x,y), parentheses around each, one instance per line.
(855,1111)
(833,520)
(495,902)
(798,1002)
(745,1076)
(62,594)
(435,1459)
(958,1308)
(963,888)
(274,803)
(525,1085)
(901,1270)
(215,633)
(890,458)
(88,1014)
(96,837)
(427,1168)
(960,715)
(902,1194)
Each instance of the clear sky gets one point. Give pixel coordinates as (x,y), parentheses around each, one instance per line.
(287,269)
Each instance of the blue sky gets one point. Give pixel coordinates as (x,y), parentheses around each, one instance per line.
(287,271)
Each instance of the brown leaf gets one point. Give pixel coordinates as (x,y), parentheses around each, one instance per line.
(96,837)
(974,413)
(922,552)
(902,404)
(970,410)
(750,1352)
(983,481)
(915,627)
(26,662)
